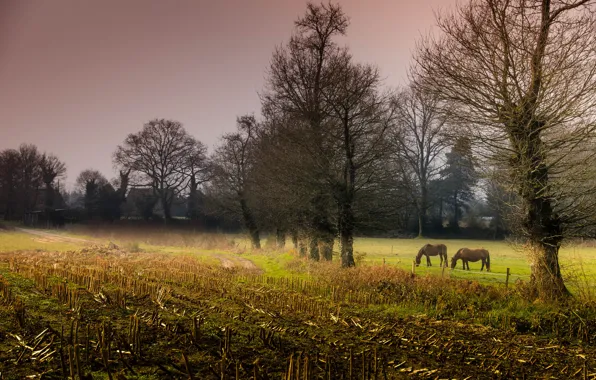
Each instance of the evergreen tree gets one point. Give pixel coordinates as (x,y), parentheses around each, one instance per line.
(459,178)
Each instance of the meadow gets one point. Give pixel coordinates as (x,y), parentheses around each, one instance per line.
(118,303)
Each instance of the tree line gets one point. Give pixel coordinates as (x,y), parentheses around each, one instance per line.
(29,181)
(498,120)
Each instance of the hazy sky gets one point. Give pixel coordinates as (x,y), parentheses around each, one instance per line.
(76,76)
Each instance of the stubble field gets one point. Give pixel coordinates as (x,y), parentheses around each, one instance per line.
(182,305)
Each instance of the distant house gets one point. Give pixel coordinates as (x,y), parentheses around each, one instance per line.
(48,209)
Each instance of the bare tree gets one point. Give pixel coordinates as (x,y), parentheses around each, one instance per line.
(361,117)
(522,78)
(419,138)
(199,172)
(90,182)
(51,170)
(89,176)
(23,173)
(299,75)
(9,182)
(122,184)
(281,178)
(233,162)
(30,176)
(159,155)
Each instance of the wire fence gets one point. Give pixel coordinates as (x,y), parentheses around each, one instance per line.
(508,275)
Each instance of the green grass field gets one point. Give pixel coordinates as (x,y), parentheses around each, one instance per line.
(578,262)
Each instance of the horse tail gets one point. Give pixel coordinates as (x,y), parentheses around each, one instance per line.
(487,261)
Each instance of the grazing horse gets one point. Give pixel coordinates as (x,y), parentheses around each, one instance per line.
(432,250)
(473,255)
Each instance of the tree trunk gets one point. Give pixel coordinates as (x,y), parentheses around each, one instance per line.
(546,273)
(193,212)
(280,237)
(250,224)
(191,205)
(326,247)
(545,236)
(302,247)
(49,203)
(420,224)
(167,212)
(456,216)
(542,225)
(295,239)
(346,236)
(422,208)
(313,247)
(322,236)
(346,198)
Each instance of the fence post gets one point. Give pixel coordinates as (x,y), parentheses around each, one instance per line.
(507,278)
(413,267)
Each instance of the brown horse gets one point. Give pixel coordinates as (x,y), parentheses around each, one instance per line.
(473,255)
(432,250)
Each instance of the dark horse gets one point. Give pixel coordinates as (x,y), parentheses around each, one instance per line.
(473,255)
(432,250)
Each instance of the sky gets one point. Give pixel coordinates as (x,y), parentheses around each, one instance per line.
(77,76)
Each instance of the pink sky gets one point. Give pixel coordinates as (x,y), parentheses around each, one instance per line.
(77,76)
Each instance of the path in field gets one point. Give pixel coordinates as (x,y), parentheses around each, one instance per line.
(48,236)
(228,264)
(45,236)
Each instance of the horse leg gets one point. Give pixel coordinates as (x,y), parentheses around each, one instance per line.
(428,263)
(482,267)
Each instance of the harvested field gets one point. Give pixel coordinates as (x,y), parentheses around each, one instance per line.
(107,313)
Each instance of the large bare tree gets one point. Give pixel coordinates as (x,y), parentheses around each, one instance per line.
(233,163)
(299,74)
(521,75)
(361,116)
(419,137)
(159,155)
